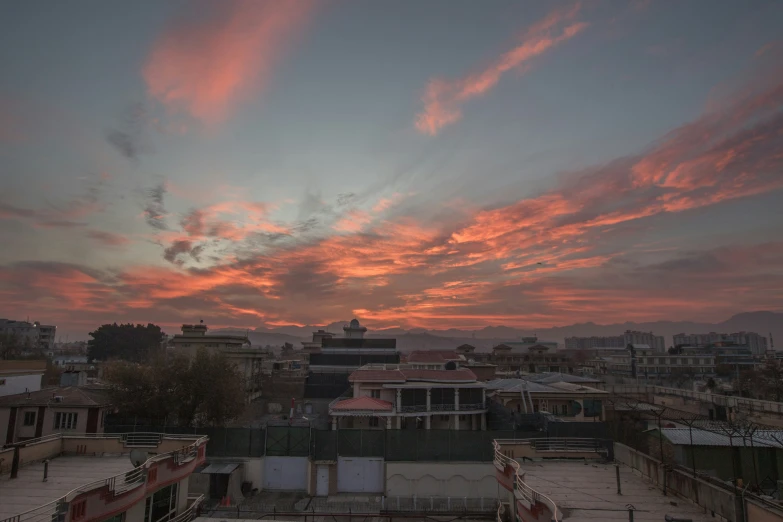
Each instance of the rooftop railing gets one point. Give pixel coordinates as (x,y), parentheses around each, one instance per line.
(522,489)
(117,484)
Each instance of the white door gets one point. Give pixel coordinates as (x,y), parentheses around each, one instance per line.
(359,475)
(285,473)
(322,481)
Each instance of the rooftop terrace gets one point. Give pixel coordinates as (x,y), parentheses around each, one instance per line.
(588,493)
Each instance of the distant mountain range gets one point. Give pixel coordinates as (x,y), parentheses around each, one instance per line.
(761,322)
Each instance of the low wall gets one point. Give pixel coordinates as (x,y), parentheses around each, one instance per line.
(715,498)
(523,449)
(40,451)
(94,445)
(6,457)
(441,479)
(758,511)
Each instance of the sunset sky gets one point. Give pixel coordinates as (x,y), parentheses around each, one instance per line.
(437,164)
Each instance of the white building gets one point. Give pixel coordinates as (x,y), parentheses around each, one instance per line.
(20,376)
(399,396)
(657,342)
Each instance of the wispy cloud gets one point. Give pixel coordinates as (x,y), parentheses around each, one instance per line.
(155,212)
(443,99)
(109,239)
(221,53)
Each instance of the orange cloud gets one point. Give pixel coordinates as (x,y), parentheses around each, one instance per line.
(443,99)
(225,52)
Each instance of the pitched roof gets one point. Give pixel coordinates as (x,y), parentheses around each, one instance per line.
(409,374)
(376,376)
(363,404)
(518,385)
(433,356)
(458,375)
(72,396)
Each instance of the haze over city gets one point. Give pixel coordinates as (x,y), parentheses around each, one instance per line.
(429,165)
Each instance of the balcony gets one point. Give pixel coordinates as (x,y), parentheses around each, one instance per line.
(96,459)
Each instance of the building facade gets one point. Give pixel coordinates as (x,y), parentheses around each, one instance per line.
(28,336)
(403,397)
(528,356)
(656,342)
(20,376)
(568,401)
(755,342)
(237,348)
(332,362)
(52,410)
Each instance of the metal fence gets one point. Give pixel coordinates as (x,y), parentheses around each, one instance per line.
(392,445)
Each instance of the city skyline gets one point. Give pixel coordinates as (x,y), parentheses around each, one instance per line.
(266,163)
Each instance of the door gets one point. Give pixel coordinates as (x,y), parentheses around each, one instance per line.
(285,473)
(322,481)
(359,475)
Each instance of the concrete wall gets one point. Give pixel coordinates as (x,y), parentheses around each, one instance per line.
(441,479)
(758,512)
(20,383)
(715,498)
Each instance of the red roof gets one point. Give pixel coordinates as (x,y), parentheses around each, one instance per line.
(461,374)
(376,376)
(363,404)
(433,356)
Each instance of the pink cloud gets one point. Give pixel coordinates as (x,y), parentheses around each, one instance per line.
(443,99)
(225,52)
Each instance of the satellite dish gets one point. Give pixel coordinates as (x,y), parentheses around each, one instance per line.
(451,365)
(138,457)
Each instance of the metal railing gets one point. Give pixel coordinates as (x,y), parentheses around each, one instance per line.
(528,493)
(470,406)
(189,513)
(566,445)
(413,408)
(116,484)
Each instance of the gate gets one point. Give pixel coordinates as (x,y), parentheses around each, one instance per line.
(287,441)
(359,475)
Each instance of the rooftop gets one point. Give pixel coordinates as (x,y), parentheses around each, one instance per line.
(587,493)
(401,374)
(682,436)
(518,385)
(433,356)
(63,396)
(28,491)
(363,403)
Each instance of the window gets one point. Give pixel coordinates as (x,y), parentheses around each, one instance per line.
(564,409)
(78,510)
(65,421)
(2,382)
(116,518)
(29,418)
(444,418)
(375,394)
(161,506)
(373,422)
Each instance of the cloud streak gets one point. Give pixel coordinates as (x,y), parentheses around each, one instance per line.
(221,53)
(443,99)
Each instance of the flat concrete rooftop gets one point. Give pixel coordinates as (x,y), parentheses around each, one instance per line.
(588,493)
(28,491)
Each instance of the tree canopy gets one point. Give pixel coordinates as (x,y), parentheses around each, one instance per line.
(127,342)
(205,391)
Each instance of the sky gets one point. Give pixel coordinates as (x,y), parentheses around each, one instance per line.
(439,164)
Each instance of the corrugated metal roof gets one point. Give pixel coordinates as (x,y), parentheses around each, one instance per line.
(220,468)
(760,438)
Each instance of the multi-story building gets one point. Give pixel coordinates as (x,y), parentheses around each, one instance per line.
(337,357)
(657,342)
(28,336)
(237,348)
(53,410)
(20,376)
(82,478)
(755,342)
(399,396)
(529,355)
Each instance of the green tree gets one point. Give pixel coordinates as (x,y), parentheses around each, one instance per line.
(128,342)
(206,390)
